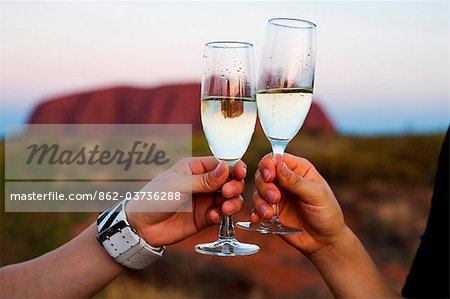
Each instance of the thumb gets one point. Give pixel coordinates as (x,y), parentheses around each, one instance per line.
(210,181)
(307,191)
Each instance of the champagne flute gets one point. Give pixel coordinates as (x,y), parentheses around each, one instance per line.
(284,94)
(228,111)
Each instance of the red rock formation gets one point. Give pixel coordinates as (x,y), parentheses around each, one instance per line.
(171,104)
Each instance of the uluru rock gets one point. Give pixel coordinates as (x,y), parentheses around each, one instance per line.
(169,104)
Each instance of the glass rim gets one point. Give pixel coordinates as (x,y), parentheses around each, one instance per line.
(304,24)
(228,44)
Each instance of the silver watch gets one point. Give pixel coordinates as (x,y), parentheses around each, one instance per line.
(122,242)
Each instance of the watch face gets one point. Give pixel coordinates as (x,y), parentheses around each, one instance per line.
(116,227)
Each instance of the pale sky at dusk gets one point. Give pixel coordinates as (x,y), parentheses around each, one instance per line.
(382,67)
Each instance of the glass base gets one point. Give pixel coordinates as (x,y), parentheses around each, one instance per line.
(227,247)
(271,226)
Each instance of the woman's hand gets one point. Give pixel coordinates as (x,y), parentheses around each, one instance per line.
(304,200)
(307,202)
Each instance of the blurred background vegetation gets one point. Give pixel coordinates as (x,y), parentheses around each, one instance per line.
(384,185)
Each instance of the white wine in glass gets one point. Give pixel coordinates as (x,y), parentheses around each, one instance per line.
(228,111)
(284,95)
(282,112)
(228,123)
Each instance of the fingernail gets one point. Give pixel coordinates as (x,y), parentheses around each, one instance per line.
(263,210)
(270,194)
(217,173)
(266,174)
(284,170)
(231,189)
(245,170)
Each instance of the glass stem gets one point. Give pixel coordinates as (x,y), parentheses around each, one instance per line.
(226,229)
(278,148)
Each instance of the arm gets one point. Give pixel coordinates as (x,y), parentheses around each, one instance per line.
(306,201)
(79,268)
(349,271)
(82,267)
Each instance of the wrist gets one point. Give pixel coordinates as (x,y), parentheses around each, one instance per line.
(139,222)
(340,245)
(121,240)
(136,220)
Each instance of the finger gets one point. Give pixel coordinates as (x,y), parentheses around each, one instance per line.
(233,205)
(202,206)
(268,191)
(267,168)
(305,189)
(210,181)
(262,207)
(240,170)
(233,188)
(254,217)
(302,167)
(200,165)
(213,216)
(258,176)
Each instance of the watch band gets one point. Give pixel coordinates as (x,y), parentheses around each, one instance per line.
(121,240)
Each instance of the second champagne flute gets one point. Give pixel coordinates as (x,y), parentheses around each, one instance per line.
(284,96)
(228,111)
